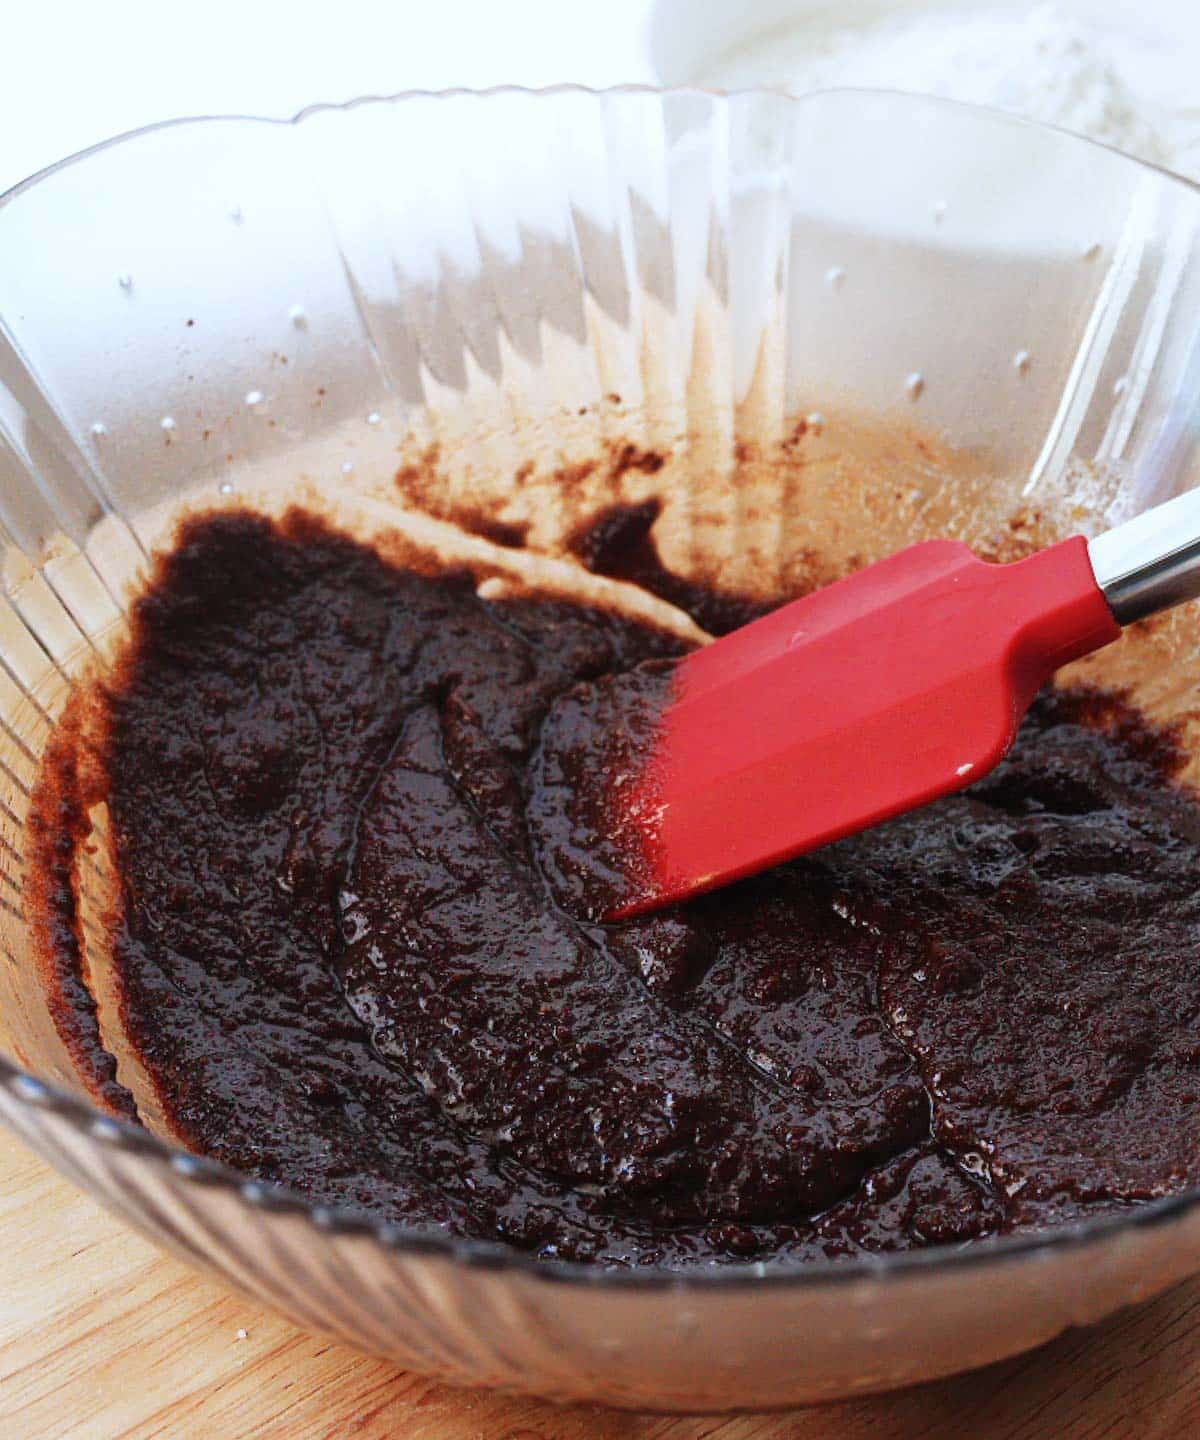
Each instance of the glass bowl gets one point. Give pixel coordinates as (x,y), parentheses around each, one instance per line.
(838,324)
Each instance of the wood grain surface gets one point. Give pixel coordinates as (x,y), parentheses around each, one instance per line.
(103,1336)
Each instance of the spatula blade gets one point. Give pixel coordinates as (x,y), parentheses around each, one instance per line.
(880,693)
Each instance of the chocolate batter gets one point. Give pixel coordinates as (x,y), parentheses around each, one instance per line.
(351,964)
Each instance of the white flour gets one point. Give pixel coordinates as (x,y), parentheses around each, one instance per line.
(1128,87)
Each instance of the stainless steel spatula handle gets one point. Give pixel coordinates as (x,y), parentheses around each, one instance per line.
(1151,562)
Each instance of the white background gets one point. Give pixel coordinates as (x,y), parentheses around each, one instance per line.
(73,72)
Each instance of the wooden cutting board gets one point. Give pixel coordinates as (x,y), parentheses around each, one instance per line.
(102,1336)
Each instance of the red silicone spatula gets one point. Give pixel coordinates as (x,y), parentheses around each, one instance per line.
(880,693)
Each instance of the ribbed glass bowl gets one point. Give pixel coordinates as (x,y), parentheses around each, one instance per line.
(983,325)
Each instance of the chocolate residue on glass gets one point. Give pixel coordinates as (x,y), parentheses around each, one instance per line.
(353,950)
(618,543)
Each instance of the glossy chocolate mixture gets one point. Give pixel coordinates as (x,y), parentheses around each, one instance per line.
(351,964)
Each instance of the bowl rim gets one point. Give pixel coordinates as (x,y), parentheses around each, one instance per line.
(568,88)
(32,1094)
